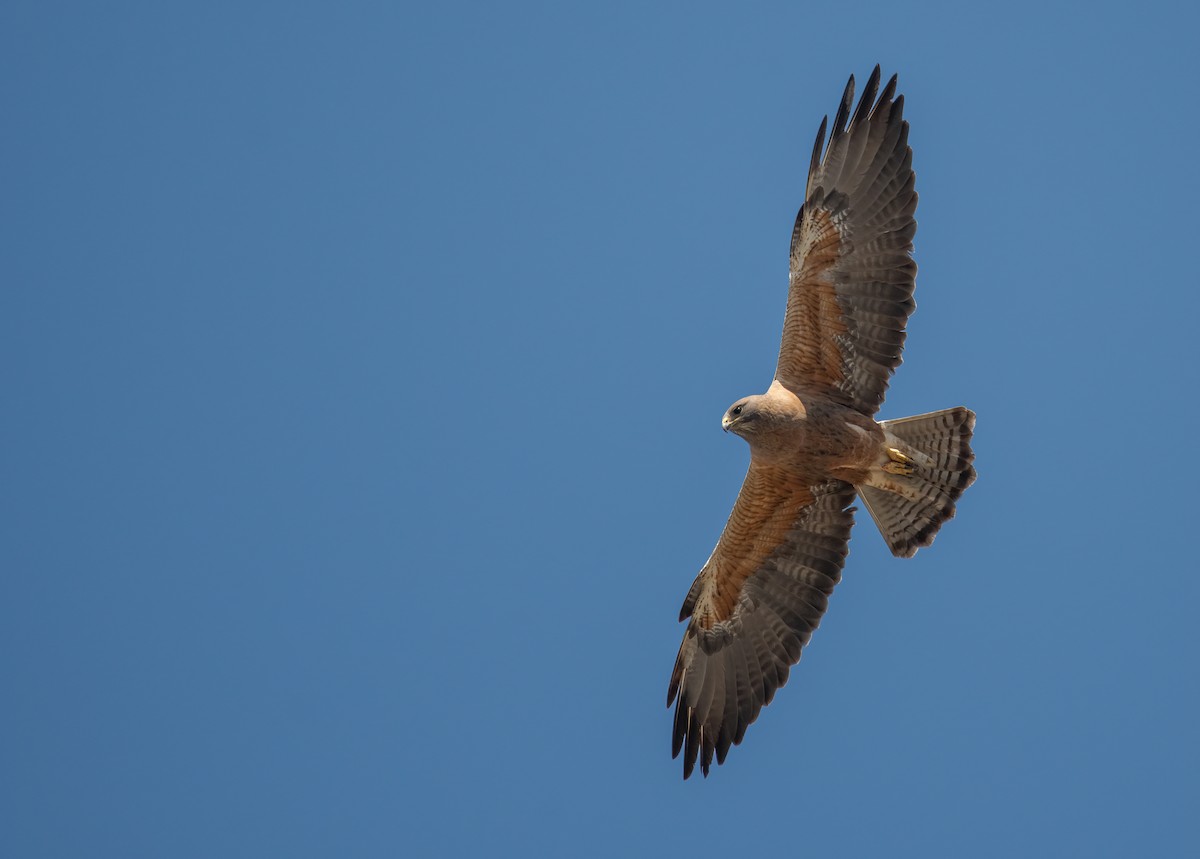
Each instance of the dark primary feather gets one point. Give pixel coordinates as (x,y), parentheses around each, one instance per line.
(868,96)
(816,154)
(843,111)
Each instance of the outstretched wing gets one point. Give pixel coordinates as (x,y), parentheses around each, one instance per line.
(754,605)
(852,273)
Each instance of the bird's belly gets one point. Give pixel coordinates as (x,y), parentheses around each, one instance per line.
(841,445)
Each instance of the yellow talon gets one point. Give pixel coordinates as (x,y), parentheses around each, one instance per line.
(898,463)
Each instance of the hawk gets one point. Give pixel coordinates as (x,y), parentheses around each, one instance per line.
(814,441)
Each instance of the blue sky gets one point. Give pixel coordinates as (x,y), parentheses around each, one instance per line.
(363,368)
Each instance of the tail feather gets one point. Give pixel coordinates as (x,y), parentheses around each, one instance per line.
(940,445)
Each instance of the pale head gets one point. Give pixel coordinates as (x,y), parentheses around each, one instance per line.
(744,415)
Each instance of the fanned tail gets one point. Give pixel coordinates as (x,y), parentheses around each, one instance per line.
(939,445)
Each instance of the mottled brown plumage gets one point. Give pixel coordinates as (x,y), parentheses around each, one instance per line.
(814,442)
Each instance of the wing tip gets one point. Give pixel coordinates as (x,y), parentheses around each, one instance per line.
(815,162)
(869,103)
(843,111)
(866,101)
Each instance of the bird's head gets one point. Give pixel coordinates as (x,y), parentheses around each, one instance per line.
(743,416)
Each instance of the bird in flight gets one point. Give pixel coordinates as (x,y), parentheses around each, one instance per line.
(814,441)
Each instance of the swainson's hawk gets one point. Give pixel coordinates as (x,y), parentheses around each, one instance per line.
(814,442)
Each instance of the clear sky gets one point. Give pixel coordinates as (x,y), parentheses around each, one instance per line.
(363,367)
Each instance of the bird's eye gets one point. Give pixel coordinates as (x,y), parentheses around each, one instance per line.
(737,410)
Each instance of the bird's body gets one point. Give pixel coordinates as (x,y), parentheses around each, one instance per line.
(814,441)
(806,433)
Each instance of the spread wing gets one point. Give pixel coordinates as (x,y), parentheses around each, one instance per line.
(852,274)
(754,605)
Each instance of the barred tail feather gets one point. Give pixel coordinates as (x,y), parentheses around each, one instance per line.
(940,444)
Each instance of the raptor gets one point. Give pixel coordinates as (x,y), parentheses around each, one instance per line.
(814,441)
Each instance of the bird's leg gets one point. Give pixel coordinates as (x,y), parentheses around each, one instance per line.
(898,463)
